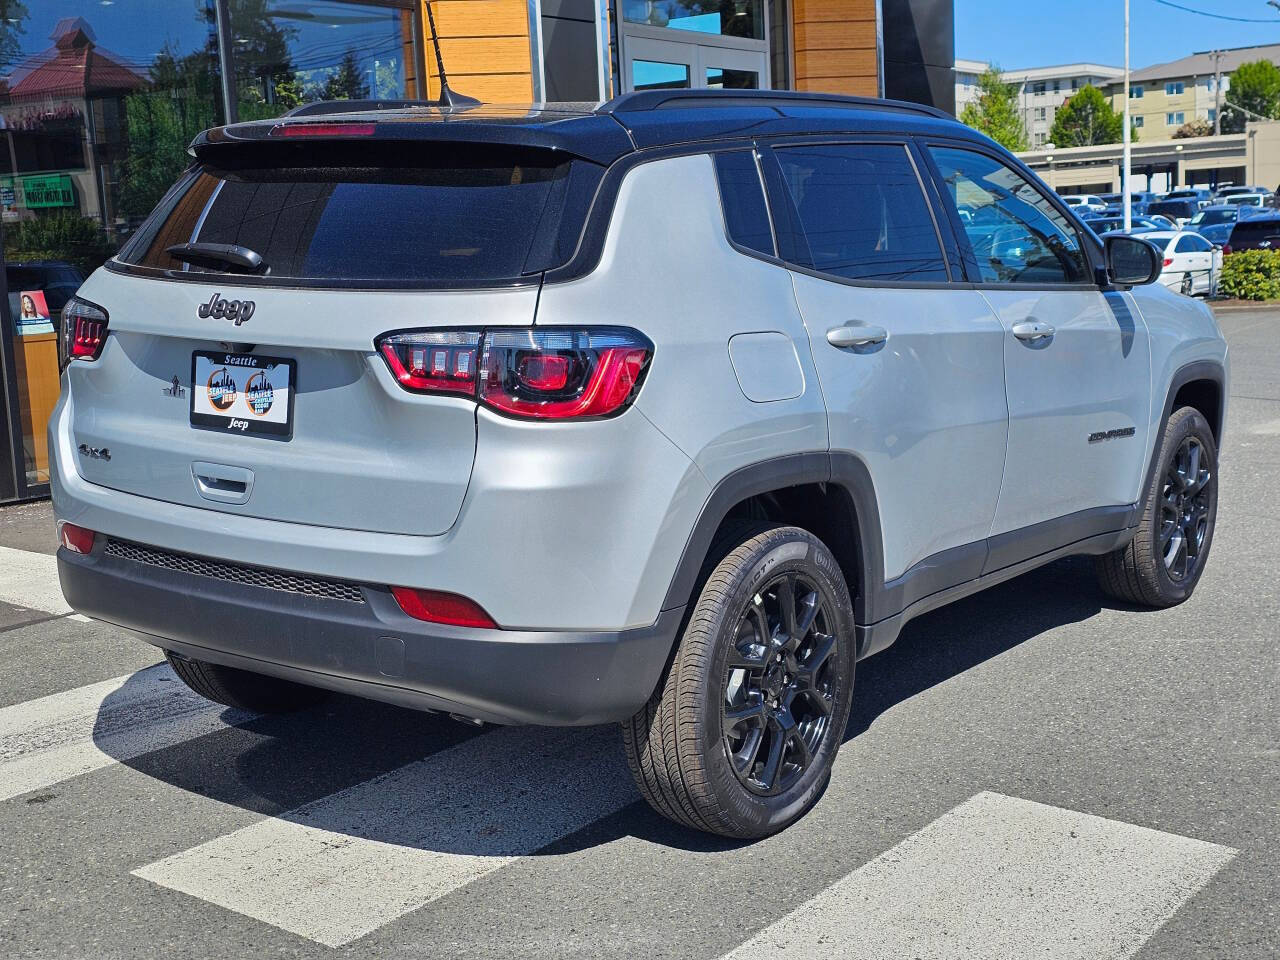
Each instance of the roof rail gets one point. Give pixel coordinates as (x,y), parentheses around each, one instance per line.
(646,100)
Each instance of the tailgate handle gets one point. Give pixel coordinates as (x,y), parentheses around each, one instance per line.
(221,483)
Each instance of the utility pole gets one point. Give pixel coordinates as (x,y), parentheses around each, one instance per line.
(1217,92)
(1126,198)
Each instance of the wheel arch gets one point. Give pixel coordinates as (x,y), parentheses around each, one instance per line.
(1201,384)
(830,495)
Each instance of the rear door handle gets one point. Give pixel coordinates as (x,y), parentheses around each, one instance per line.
(856,335)
(1033,330)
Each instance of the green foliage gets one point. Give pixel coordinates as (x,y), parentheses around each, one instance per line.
(12,13)
(347,81)
(64,236)
(1251,275)
(1256,87)
(995,112)
(1086,119)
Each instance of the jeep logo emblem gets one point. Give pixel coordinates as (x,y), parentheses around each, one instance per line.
(237,311)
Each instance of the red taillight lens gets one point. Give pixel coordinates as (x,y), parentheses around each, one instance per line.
(323,130)
(435,362)
(76,539)
(1168,261)
(552,374)
(542,373)
(1226,248)
(84,331)
(436,606)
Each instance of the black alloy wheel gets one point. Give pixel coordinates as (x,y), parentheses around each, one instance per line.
(1184,510)
(778,695)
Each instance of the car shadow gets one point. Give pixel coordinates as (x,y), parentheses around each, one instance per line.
(286,766)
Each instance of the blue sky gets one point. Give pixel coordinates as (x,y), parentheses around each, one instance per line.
(1029,33)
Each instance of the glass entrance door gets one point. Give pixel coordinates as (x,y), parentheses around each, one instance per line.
(673,65)
(683,44)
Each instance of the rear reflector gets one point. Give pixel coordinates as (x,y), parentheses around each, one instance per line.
(436,606)
(323,130)
(76,539)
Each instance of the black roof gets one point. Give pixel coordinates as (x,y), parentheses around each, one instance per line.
(602,132)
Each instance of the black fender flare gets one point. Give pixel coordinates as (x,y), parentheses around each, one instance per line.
(1210,370)
(844,470)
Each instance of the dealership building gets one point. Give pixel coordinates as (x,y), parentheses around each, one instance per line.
(99,99)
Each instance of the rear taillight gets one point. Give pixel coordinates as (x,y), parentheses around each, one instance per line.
(76,539)
(1226,248)
(1168,261)
(436,606)
(84,331)
(542,373)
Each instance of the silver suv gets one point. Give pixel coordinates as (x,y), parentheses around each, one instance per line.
(663,412)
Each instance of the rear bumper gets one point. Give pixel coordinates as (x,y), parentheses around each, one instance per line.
(370,648)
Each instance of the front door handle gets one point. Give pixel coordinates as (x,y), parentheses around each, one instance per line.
(856,335)
(1033,330)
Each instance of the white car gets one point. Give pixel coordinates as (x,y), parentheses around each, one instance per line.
(1191,263)
(1084,202)
(1248,199)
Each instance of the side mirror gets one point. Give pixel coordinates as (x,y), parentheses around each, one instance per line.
(1132,261)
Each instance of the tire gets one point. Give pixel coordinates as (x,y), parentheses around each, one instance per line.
(791,712)
(1163,562)
(242,689)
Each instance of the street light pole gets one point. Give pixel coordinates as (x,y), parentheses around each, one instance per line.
(1126,199)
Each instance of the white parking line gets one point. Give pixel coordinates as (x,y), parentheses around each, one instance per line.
(339,868)
(30,580)
(46,741)
(1001,877)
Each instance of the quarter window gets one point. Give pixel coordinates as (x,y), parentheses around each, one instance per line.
(745,215)
(863,212)
(1017,234)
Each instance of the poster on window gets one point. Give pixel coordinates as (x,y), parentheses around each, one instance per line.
(33,313)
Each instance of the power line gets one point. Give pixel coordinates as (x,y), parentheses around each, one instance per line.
(1216,16)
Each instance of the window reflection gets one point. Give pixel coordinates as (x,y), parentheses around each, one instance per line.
(722,79)
(652,75)
(729,18)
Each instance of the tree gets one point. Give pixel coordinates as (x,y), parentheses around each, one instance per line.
(1255,86)
(1192,129)
(995,112)
(1086,119)
(12,13)
(347,82)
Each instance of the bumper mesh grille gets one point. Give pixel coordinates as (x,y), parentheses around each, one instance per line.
(234,572)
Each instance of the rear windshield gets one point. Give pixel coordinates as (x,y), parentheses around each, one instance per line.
(1255,229)
(469,218)
(1179,208)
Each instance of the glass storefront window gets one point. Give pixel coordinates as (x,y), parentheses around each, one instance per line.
(652,75)
(290,53)
(719,78)
(727,18)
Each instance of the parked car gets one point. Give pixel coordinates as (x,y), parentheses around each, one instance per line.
(1201,196)
(1162,221)
(1231,190)
(1260,231)
(1191,263)
(1101,225)
(1179,211)
(1214,216)
(662,413)
(1219,234)
(1085,202)
(1137,201)
(1255,200)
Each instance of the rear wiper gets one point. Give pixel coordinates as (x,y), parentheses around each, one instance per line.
(218,255)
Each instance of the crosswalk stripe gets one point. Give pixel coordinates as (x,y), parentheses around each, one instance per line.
(336,869)
(46,741)
(1000,877)
(30,580)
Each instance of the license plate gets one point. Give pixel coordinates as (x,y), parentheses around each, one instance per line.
(242,393)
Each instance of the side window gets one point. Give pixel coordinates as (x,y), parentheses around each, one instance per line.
(863,212)
(746,216)
(1193,243)
(1017,235)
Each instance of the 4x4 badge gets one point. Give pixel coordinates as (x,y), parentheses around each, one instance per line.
(218,308)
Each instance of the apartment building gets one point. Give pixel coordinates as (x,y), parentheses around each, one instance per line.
(1041,90)
(1165,96)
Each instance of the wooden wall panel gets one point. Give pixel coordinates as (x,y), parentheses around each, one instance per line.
(485,45)
(835,46)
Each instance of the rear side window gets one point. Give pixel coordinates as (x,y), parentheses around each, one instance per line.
(1254,230)
(465,217)
(1017,235)
(863,212)
(1190,243)
(746,216)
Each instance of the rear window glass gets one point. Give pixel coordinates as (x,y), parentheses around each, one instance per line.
(472,218)
(1256,228)
(742,195)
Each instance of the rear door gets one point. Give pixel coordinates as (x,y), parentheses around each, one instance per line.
(190,394)
(1076,360)
(911,366)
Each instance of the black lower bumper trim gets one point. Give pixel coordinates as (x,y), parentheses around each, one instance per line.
(374,649)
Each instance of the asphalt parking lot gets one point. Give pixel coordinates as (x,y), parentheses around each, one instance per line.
(1033,772)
